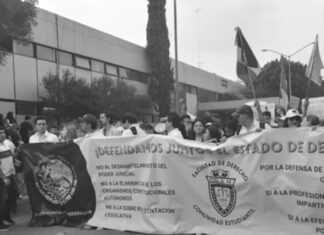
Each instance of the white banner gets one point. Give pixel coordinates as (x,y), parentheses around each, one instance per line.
(260,183)
(315,106)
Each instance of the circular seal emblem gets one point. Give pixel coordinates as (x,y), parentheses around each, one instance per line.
(55,179)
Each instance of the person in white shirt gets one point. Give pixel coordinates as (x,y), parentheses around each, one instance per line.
(89,124)
(131,126)
(173,125)
(8,179)
(246,120)
(42,135)
(108,129)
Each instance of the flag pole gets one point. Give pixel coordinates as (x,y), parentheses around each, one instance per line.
(280,81)
(307,91)
(309,79)
(253,91)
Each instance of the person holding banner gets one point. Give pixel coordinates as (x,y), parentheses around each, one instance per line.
(212,134)
(198,130)
(89,124)
(174,126)
(312,120)
(68,133)
(108,129)
(131,126)
(292,118)
(186,121)
(8,178)
(42,135)
(3,198)
(246,120)
(267,117)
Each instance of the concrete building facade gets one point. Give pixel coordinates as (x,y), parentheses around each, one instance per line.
(61,44)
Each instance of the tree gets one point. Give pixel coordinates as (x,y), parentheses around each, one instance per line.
(16,20)
(72,97)
(158,53)
(267,83)
(118,97)
(68,96)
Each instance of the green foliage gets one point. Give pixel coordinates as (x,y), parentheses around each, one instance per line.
(268,81)
(71,97)
(118,97)
(16,20)
(158,53)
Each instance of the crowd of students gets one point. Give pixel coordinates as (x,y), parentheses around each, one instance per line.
(203,129)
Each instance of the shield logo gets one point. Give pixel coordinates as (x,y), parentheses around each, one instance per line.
(222,191)
(55,179)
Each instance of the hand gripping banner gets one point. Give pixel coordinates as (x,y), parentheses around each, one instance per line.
(260,183)
(58,184)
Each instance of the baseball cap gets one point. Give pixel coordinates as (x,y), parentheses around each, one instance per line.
(292,113)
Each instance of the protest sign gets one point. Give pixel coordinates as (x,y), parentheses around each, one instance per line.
(58,184)
(259,183)
(315,106)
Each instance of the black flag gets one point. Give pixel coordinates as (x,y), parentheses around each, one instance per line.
(58,184)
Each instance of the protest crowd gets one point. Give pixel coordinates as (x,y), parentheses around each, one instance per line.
(205,129)
(202,129)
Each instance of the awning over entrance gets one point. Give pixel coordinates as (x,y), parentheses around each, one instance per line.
(234,104)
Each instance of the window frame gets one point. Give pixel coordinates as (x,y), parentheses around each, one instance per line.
(224,83)
(46,47)
(112,65)
(24,44)
(99,62)
(7,44)
(75,59)
(120,73)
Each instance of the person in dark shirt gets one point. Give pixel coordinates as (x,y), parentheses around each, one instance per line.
(26,129)
(186,121)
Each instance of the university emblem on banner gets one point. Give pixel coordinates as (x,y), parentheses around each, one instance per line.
(55,179)
(222,191)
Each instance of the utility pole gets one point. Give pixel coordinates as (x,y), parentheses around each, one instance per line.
(289,62)
(198,42)
(176,69)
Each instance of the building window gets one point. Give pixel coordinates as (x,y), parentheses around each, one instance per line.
(190,89)
(137,76)
(26,108)
(187,88)
(180,86)
(65,58)
(206,95)
(5,44)
(193,90)
(111,69)
(45,53)
(97,66)
(123,72)
(224,83)
(24,48)
(82,62)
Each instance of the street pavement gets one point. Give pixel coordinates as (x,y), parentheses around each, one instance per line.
(24,215)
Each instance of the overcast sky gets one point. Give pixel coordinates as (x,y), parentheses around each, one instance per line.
(206,27)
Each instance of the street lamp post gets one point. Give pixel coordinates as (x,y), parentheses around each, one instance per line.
(176,71)
(289,60)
